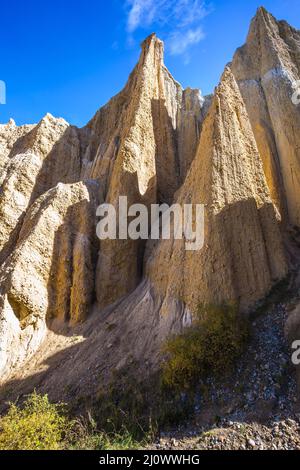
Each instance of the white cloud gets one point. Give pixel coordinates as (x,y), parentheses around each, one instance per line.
(180,41)
(177,20)
(141,14)
(190,12)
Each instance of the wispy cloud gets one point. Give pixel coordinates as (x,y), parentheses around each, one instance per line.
(189,12)
(179,21)
(180,41)
(141,13)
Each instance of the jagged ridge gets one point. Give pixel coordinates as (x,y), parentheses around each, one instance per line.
(154,142)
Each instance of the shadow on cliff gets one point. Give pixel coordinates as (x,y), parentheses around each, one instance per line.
(168,168)
(62,282)
(78,370)
(176,148)
(82,361)
(54,170)
(69,274)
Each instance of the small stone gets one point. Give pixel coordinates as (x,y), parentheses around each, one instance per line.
(174,443)
(251,443)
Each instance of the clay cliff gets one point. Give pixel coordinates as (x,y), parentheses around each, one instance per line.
(236,152)
(243,254)
(266,69)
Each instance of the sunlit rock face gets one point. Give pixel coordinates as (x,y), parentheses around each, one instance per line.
(236,152)
(243,254)
(266,69)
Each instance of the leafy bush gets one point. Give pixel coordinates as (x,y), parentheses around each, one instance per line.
(38,425)
(208,348)
(41,425)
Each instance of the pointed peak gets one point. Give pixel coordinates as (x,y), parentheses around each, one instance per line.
(263,15)
(228,91)
(264,24)
(50,122)
(11,123)
(152,38)
(227,72)
(261,11)
(228,77)
(153,44)
(49,118)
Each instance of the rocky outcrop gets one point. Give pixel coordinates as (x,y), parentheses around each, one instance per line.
(9,134)
(235,152)
(139,145)
(38,160)
(156,129)
(266,69)
(51,272)
(243,253)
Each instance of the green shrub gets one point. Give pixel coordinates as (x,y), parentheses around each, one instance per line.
(84,435)
(41,425)
(37,425)
(208,348)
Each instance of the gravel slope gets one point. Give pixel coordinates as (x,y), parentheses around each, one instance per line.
(257,408)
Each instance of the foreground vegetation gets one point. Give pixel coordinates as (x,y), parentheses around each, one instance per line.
(209,347)
(127,413)
(41,425)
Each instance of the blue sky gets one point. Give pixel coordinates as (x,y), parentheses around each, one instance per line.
(69,57)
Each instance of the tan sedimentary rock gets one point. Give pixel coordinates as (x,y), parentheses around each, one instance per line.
(243,253)
(154,142)
(38,159)
(266,68)
(139,145)
(9,134)
(193,112)
(50,273)
(157,130)
(16,192)
(174,119)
